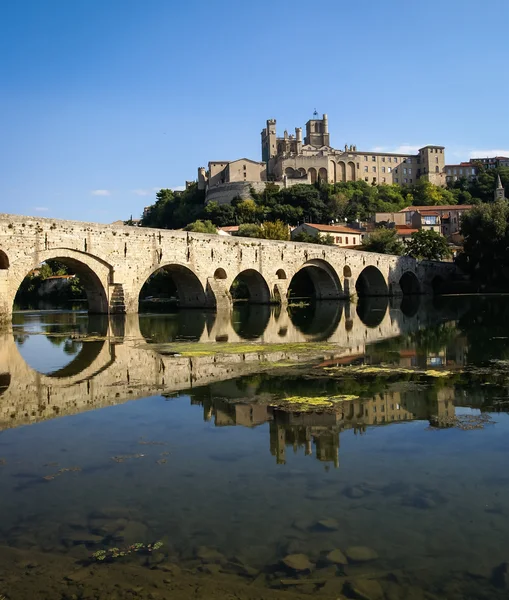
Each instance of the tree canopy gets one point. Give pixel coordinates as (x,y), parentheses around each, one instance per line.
(384,241)
(427,245)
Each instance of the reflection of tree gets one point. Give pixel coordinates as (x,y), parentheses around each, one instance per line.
(56,341)
(20,338)
(72,347)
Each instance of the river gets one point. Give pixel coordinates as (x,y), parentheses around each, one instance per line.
(331,450)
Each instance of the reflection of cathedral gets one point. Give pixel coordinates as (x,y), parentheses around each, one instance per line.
(321,429)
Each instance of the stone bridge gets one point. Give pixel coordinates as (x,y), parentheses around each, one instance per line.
(113,264)
(120,365)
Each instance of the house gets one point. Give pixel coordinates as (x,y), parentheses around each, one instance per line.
(341,234)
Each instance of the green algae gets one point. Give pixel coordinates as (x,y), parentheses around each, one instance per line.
(312,402)
(386,370)
(217,348)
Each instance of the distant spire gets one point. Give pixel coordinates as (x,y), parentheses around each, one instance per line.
(499,183)
(315,114)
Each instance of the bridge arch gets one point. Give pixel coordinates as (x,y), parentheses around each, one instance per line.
(4,260)
(250,285)
(178,280)
(94,274)
(409,283)
(316,278)
(371,282)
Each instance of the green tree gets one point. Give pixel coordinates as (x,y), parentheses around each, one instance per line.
(384,241)
(427,245)
(426,193)
(275,230)
(485,255)
(201,227)
(250,230)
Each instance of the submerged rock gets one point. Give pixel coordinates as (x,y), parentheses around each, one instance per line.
(500,576)
(298,562)
(360,554)
(327,525)
(337,557)
(210,555)
(365,589)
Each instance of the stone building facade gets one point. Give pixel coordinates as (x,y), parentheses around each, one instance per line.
(289,157)
(293,159)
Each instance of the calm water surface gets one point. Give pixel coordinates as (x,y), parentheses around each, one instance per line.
(110,437)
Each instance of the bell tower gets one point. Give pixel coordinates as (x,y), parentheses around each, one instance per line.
(317,131)
(499,192)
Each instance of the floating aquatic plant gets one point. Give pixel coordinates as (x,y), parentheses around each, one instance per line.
(113,553)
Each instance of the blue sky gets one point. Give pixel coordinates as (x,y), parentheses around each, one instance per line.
(104,101)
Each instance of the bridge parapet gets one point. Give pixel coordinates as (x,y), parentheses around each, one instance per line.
(115,262)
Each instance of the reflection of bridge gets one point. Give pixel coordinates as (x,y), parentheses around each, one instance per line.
(122,366)
(114,263)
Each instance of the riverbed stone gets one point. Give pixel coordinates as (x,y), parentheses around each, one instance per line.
(298,562)
(134,532)
(337,557)
(327,524)
(360,554)
(500,576)
(365,589)
(210,555)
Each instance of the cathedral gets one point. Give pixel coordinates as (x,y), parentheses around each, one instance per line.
(292,159)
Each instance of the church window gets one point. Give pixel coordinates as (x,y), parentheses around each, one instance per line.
(358,165)
(436,159)
(437,169)
(396,180)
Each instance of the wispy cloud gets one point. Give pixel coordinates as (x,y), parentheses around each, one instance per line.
(142,192)
(179,188)
(488,153)
(100,193)
(41,208)
(402,149)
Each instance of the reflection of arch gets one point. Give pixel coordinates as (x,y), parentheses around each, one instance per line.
(5,382)
(409,283)
(322,174)
(220,273)
(410,305)
(350,174)
(169,327)
(93,274)
(190,291)
(312,175)
(255,286)
(316,279)
(281,274)
(89,351)
(347,272)
(371,282)
(4,260)
(371,311)
(250,322)
(436,284)
(318,322)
